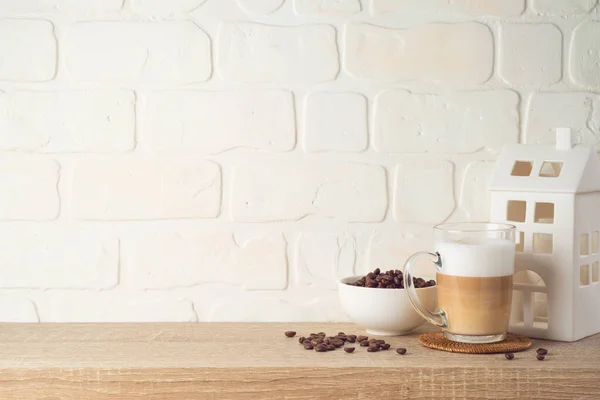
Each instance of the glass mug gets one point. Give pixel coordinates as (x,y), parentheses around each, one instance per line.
(475,265)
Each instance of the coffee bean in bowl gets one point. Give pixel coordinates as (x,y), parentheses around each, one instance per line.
(392,279)
(385,312)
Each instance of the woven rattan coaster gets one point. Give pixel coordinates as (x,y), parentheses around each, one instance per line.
(511,344)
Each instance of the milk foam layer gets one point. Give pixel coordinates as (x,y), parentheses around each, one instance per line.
(477,257)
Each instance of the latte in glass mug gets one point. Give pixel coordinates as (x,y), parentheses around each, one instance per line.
(475,267)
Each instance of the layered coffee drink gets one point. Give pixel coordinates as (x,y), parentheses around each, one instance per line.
(474,285)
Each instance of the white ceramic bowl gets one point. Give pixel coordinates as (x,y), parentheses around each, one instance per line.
(384,312)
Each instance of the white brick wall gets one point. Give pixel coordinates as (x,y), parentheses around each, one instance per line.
(222,160)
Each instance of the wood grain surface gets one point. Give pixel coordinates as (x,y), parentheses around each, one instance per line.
(256,361)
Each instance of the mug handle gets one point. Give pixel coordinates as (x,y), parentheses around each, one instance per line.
(437,317)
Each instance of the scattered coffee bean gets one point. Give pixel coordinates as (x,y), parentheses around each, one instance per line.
(373,349)
(509,356)
(542,351)
(349,349)
(364,343)
(330,347)
(351,338)
(540,357)
(379,341)
(301,339)
(316,342)
(321,348)
(321,333)
(386,346)
(308,346)
(392,279)
(401,351)
(361,338)
(290,334)
(341,334)
(338,344)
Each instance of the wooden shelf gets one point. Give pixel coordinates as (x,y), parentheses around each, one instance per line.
(256,361)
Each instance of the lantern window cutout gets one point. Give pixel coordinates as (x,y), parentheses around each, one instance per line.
(543,243)
(584,275)
(516,211)
(544,213)
(584,249)
(522,168)
(551,169)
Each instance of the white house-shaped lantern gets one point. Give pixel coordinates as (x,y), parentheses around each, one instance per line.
(551,193)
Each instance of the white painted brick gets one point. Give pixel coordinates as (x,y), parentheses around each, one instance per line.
(28,52)
(475,195)
(335,122)
(578,111)
(327,7)
(137,52)
(560,7)
(52,258)
(324,258)
(387,250)
(28,188)
(291,191)
(501,8)
(104,121)
(530,54)
(454,122)
(213,122)
(111,306)
(14,309)
(584,59)
(424,191)
(57,6)
(460,53)
(259,7)
(162,7)
(246,308)
(139,189)
(248,52)
(166,261)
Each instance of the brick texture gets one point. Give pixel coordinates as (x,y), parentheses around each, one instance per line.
(423,192)
(160,7)
(49,259)
(502,8)
(29,188)
(585,55)
(212,160)
(326,7)
(324,258)
(531,54)
(296,54)
(335,122)
(259,7)
(30,54)
(170,261)
(45,121)
(57,6)
(292,191)
(419,53)
(130,189)
(137,52)
(415,123)
(178,121)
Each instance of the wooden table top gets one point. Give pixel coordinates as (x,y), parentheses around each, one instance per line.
(256,360)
